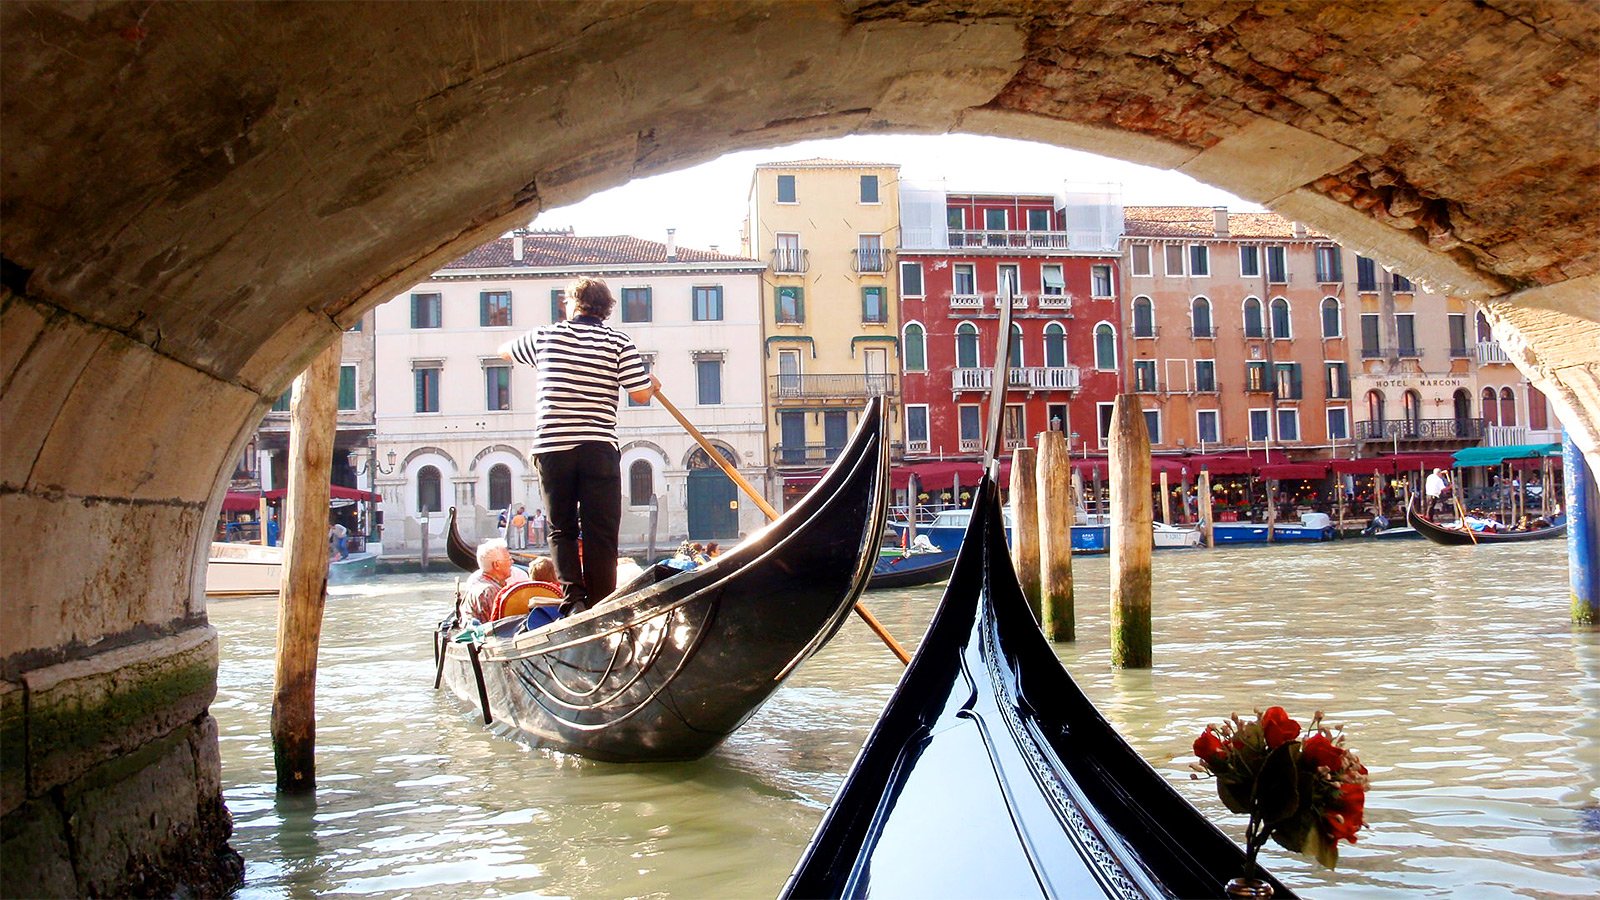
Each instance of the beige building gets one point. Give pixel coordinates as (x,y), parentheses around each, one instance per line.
(459,419)
(824,229)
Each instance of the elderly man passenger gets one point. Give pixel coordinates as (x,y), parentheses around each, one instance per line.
(495,571)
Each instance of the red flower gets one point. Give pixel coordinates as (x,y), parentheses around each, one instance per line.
(1209,747)
(1318,750)
(1347,814)
(1278,728)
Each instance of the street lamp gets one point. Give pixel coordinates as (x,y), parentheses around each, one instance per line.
(363,459)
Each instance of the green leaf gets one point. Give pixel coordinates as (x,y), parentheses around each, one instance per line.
(1325,851)
(1291,834)
(1278,787)
(1235,795)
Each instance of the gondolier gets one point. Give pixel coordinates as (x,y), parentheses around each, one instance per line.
(582,365)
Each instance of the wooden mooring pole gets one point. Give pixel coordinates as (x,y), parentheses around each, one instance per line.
(1132,538)
(1583,533)
(303,590)
(1058,510)
(1025,526)
(1203,495)
(1166,501)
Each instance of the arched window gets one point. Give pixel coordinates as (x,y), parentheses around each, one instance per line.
(1491,407)
(641,483)
(1508,407)
(1055,346)
(1144,317)
(916,348)
(1413,410)
(1461,406)
(966,346)
(1105,347)
(1252,318)
(1482,323)
(1538,413)
(1280,318)
(1016,346)
(1200,314)
(428,490)
(1375,407)
(1331,326)
(499,486)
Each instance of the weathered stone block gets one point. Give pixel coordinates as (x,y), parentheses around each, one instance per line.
(1300,158)
(130,812)
(39,381)
(35,857)
(13,746)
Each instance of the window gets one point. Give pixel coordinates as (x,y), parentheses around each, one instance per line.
(1338,423)
(1152,424)
(1370,344)
(1103,413)
(282,403)
(558,306)
(347,387)
(1288,424)
(1015,423)
(1252,318)
(427,394)
(1249,262)
(1411,407)
(789,376)
(873,307)
(1458,334)
(708,378)
(1255,376)
(786,189)
(1014,357)
(707,302)
(1052,281)
(1366,275)
(791,304)
(1144,318)
(1105,347)
(1038,220)
(1330,267)
(1144,376)
(1280,318)
(1538,412)
(1199,260)
(1174,259)
(1491,407)
(1508,407)
(1055,346)
(916,339)
(425,310)
(964,280)
(1375,405)
(1338,380)
(869,189)
(1205,376)
(971,423)
(1007,276)
(1402,284)
(869,253)
(499,486)
(428,498)
(910,279)
(1277,266)
(1200,318)
(995,220)
(966,346)
(497,388)
(636,304)
(641,483)
(1330,318)
(955,218)
(787,255)
(1260,424)
(1100,281)
(1205,426)
(1406,327)
(1287,378)
(494,309)
(917,428)
(1139,260)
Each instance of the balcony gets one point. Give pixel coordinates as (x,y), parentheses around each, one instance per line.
(1030,240)
(1491,353)
(1382,352)
(1055,301)
(922,446)
(1202,332)
(971,445)
(1031,378)
(1420,430)
(1146,331)
(831,387)
(966,301)
(870,261)
(805,454)
(791,261)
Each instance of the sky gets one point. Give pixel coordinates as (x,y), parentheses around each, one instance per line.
(706,203)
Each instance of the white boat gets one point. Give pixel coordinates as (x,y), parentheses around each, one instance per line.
(243,570)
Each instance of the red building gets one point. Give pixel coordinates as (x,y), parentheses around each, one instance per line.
(1065,325)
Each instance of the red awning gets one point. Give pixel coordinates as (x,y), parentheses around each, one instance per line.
(1281,471)
(239,501)
(335,492)
(1391,463)
(939,476)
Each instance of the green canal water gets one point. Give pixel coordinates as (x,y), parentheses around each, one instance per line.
(1473,703)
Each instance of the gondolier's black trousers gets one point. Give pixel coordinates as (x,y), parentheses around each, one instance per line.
(583,495)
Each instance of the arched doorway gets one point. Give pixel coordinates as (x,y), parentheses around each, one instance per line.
(713,498)
(1461,404)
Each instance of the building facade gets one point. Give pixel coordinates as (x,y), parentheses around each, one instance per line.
(460,419)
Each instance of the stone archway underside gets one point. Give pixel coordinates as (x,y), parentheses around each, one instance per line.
(197,197)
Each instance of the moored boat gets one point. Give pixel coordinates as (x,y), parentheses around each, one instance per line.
(991,774)
(910,568)
(1457,536)
(948,527)
(243,570)
(674,662)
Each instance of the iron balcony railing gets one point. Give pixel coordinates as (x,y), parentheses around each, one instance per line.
(805,454)
(1491,352)
(1033,378)
(790,260)
(1420,430)
(870,260)
(1034,240)
(1146,330)
(819,387)
(1381,352)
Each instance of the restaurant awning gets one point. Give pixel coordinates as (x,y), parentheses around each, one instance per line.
(335,492)
(240,501)
(1391,463)
(1494,456)
(1281,471)
(943,474)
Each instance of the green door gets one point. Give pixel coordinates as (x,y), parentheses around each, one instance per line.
(712,514)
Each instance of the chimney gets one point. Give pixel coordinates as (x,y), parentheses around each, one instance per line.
(714,249)
(672,245)
(516,245)
(1300,230)
(1219,221)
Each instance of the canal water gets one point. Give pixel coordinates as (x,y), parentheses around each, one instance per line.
(1473,703)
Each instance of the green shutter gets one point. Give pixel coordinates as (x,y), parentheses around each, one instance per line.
(347,387)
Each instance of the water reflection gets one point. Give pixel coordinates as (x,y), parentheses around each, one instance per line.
(1474,705)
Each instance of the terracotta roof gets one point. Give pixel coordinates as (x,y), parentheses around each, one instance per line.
(818,162)
(542,250)
(1198,222)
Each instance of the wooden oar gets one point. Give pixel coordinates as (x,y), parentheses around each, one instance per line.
(1461,511)
(750,491)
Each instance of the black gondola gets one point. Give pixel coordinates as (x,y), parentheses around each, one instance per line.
(1455,537)
(910,571)
(672,663)
(991,774)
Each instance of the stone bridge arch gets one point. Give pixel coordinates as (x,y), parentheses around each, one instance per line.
(198,197)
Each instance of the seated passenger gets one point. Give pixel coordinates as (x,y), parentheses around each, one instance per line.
(495,572)
(685,559)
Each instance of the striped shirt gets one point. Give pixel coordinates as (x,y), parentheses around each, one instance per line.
(582,365)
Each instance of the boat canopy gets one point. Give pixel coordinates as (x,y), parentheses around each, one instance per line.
(1494,456)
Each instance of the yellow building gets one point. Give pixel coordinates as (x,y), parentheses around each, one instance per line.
(824,228)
